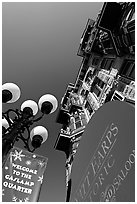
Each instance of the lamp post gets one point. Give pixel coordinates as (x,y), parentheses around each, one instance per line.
(13,128)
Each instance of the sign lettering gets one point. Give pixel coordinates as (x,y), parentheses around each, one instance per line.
(23,176)
(109,173)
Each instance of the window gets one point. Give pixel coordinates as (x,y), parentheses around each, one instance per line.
(128,69)
(88,77)
(110,16)
(117,96)
(78,124)
(106,63)
(86,94)
(103,63)
(77,121)
(132,73)
(96,91)
(76,118)
(88,107)
(101,84)
(96,81)
(97,86)
(121,87)
(83,93)
(95,61)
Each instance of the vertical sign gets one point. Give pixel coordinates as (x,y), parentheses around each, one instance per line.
(22,176)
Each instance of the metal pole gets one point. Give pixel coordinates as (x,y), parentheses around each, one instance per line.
(9,139)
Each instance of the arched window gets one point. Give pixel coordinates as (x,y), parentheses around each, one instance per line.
(88,77)
(83,92)
(88,107)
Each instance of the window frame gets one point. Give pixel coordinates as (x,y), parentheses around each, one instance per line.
(128,71)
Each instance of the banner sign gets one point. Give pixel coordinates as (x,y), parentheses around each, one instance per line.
(104,165)
(22,176)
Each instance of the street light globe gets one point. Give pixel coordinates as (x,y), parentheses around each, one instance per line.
(10,92)
(30,104)
(48,103)
(5,123)
(38,135)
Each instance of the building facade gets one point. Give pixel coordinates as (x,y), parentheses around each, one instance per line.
(107,73)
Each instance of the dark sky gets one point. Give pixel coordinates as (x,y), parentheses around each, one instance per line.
(39,54)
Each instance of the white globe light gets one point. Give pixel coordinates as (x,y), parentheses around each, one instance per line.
(39,130)
(14,89)
(49,98)
(30,104)
(5,123)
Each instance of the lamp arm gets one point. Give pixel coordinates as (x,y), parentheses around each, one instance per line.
(26,142)
(39,118)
